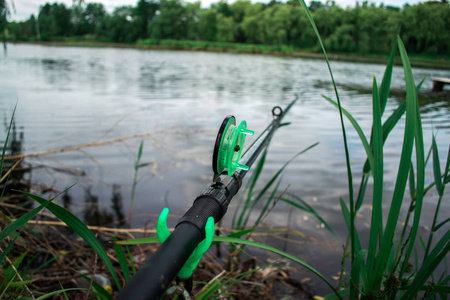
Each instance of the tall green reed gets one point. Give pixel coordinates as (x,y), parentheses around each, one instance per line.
(380,271)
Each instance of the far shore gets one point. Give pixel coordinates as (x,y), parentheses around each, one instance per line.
(416,61)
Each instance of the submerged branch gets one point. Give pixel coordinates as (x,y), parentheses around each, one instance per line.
(96,228)
(102,143)
(11,169)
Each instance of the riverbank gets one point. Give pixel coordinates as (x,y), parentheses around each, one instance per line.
(50,259)
(419,61)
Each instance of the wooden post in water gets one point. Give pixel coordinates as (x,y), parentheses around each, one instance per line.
(438,83)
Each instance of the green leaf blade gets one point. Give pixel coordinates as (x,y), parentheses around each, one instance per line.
(437,168)
(376,229)
(122,260)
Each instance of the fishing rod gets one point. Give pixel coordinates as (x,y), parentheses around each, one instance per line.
(155,276)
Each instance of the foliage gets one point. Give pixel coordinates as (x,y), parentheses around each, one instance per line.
(145,13)
(213,46)
(361,29)
(4,12)
(54,21)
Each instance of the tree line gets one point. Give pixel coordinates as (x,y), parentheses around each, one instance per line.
(365,28)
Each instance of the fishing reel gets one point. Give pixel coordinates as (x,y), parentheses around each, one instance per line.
(229,146)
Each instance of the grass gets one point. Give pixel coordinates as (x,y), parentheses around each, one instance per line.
(137,166)
(214,46)
(381,270)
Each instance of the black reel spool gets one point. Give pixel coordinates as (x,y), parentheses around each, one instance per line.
(229,146)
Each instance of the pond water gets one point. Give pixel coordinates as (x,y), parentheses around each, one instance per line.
(175,102)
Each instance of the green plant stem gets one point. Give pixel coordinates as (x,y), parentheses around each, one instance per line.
(344,135)
(137,165)
(430,237)
(133,190)
(344,258)
(401,246)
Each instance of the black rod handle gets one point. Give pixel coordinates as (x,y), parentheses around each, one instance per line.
(155,276)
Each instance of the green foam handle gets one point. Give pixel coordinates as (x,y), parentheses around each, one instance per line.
(162,232)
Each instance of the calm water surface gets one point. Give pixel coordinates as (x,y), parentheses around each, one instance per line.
(72,96)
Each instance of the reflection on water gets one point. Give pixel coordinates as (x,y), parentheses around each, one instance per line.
(176,101)
(20,178)
(92,214)
(96,214)
(117,206)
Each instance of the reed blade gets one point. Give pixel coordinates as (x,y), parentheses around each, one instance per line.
(54,293)
(358,129)
(375,277)
(348,222)
(376,226)
(122,260)
(387,78)
(420,154)
(435,257)
(358,269)
(242,223)
(308,208)
(6,139)
(437,168)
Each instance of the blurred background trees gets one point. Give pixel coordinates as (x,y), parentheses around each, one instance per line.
(365,28)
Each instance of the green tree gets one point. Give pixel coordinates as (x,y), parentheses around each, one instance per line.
(118,27)
(225,28)
(192,18)
(342,39)
(327,19)
(301,33)
(145,13)
(223,8)
(315,5)
(93,14)
(207,25)
(253,24)
(4,12)
(238,12)
(277,23)
(170,22)
(54,21)
(85,19)
(23,31)
(426,29)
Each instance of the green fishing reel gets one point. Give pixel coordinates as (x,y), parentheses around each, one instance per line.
(229,146)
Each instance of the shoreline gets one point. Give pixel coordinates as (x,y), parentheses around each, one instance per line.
(418,62)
